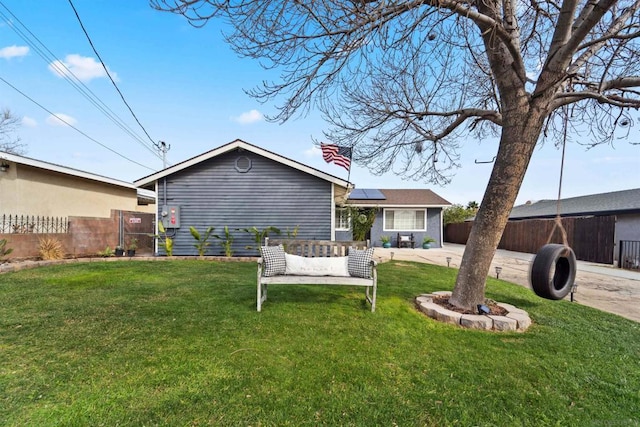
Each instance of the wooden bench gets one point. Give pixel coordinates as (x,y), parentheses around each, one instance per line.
(316,249)
(406,241)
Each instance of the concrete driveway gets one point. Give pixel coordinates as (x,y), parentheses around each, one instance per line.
(600,286)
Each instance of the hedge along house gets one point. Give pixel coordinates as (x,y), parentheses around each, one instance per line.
(240,185)
(401,212)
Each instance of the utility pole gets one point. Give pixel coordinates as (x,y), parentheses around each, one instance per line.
(163,147)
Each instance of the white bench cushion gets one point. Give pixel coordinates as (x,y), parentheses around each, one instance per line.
(322,266)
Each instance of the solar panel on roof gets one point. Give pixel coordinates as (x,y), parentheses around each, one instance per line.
(357,193)
(374,194)
(366,194)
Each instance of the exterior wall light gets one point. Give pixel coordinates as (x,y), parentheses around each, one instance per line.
(4,166)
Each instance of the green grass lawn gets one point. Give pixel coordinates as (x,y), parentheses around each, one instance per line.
(180,343)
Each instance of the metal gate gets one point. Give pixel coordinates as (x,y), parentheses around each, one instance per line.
(629,256)
(135,229)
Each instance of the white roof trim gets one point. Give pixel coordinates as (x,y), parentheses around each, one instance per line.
(395,206)
(245,146)
(63,169)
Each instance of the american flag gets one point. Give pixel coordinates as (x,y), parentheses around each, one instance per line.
(341,156)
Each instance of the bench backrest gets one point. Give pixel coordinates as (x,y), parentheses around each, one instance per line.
(316,248)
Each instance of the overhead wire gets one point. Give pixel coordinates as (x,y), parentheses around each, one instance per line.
(106,70)
(41,49)
(72,126)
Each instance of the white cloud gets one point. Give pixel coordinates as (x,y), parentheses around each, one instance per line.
(29,122)
(13,51)
(57,120)
(83,67)
(248,117)
(313,152)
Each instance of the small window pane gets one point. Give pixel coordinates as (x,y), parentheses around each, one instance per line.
(342,219)
(404,220)
(388,217)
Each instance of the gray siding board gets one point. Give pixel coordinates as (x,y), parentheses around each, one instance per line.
(214,193)
(627,228)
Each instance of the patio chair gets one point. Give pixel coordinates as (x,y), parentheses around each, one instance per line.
(406,241)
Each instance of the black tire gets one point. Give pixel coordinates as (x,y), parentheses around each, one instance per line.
(553,271)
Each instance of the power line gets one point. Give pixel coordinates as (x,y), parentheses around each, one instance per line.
(41,49)
(109,75)
(72,126)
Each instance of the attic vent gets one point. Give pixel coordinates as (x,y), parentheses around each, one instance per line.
(243,164)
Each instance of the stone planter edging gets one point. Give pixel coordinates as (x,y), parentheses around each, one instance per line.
(516,320)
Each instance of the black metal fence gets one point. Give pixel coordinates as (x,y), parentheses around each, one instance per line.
(33,224)
(629,257)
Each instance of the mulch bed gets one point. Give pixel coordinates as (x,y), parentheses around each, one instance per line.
(495,309)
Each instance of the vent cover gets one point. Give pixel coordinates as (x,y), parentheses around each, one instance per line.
(243,164)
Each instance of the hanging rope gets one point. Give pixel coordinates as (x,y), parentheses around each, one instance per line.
(558,220)
(553,270)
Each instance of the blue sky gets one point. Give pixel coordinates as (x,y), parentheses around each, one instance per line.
(185,85)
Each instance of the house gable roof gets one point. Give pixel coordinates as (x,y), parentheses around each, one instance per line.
(403,198)
(143,195)
(63,170)
(238,144)
(625,201)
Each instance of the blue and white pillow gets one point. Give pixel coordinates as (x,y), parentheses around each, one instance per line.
(359,263)
(274,260)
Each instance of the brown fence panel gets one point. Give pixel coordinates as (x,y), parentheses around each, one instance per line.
(457,233)
(591,238)
(594,239)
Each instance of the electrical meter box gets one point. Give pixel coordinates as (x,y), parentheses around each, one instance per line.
(170,216)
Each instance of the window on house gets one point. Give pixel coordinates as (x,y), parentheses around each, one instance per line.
(405,220)
(342,219)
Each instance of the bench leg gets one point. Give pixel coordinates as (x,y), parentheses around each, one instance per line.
(370,292)
(262,295)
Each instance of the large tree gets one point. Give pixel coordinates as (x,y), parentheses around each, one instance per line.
(405,82)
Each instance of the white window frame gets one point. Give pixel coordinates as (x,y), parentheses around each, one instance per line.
(384,219)
(343,212)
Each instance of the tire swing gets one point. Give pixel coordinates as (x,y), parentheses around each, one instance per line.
(553,270)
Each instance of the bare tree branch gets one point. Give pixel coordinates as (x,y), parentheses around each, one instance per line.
(9,124)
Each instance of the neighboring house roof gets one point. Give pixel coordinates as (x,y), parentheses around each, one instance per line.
(27,161)
(625,201)
(242,145)
(398,198)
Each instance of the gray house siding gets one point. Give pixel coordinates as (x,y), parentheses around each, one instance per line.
(627,228)
(344,235)
(433,229)
(215,193)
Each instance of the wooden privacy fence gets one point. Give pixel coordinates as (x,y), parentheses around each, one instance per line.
(591,238)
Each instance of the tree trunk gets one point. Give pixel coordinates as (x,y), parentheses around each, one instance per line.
(518,139)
